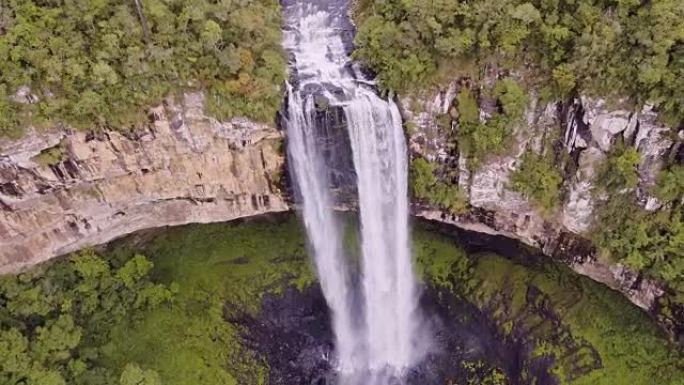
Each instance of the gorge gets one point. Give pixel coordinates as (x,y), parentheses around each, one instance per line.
(237,302)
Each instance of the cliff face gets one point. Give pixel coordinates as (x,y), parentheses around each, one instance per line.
(588,128)
(63,190)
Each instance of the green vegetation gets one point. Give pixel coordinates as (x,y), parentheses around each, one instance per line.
(652,242)
(619,171)
(539,180)
(512,97)
(425,186)
(478,373)
(478,139)
(52,155)
(56,321)
(167,319)
(595,336)
(216,267)
(91,64)
(129,320)
(624,51)
(670,187)
(649,242)
(615,49)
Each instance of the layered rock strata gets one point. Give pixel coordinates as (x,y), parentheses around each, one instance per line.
(63,190)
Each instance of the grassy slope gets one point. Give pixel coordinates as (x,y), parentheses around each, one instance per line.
(190,342)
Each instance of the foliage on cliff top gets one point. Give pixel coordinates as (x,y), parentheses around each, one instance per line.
(56,320)
(625,48)
(90,63)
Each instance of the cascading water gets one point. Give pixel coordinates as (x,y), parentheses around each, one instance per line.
(322,227)
(376,341)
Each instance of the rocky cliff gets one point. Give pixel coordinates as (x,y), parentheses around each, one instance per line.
(63,190)
(588,129)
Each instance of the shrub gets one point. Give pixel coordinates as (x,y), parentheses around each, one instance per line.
(619,171)
(426,186)
(670,185)
(539,180)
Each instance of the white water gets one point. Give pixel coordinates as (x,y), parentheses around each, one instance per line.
(383,344)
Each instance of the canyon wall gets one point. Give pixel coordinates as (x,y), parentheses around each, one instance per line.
(62,190)
(588,129)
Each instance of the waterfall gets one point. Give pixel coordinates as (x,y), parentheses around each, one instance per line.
(322,227)
(375,339)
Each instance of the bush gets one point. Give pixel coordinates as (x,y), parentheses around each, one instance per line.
(649,242)
(619,171)
(480,140)
(670,185)
(539,180)
(512,97)
(426,186)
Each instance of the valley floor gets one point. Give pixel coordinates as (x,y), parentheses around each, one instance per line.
(241,306)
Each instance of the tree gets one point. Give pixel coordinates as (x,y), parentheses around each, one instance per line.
(55,320)
(670,185)
(134,375)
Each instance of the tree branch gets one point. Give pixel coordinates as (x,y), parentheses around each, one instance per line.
(143,20)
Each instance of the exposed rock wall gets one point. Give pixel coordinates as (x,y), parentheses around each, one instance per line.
(183,167)
(589,129)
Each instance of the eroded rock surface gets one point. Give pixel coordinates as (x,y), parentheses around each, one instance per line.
(183,167)
(589,129)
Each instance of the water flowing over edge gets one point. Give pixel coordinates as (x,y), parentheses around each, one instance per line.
(378,340)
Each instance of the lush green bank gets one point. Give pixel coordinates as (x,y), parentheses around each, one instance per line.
(122,319)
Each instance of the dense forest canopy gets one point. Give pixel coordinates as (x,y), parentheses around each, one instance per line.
(611,48)
(99,63)
(56,321)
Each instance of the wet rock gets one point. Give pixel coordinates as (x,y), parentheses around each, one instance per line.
(292,334)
